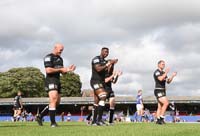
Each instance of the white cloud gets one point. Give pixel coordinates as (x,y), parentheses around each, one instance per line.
(138,33)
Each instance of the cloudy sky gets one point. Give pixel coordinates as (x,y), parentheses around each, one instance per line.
(138,33)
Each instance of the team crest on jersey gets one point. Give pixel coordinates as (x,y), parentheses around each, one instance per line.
(58,59)
(47,59)
(104,62)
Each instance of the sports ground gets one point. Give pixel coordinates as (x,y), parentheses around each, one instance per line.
(81,129)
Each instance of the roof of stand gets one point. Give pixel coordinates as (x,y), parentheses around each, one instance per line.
(89,100)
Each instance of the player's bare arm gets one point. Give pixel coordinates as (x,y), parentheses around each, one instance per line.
(63,70)
(99,67)
(71,68)
(110,78)
(116,76)
(163,77)
(50,70)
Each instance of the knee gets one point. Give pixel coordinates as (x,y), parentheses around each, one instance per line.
(166,103)
(112,103)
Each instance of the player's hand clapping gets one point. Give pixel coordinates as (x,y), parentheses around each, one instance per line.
(68,69)
(71,68)
(111,62)
(174,74)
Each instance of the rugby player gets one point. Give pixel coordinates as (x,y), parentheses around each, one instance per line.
(111,77)
(53,63)
(18,106)
(139,105)
(160,77)
(173,111)
(91,110)
(99,67)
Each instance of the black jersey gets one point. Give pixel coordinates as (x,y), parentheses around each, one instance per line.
(159,84)
(17,100)
(98,76)
(53,61)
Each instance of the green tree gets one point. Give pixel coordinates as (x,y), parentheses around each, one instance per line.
(71,85)
(29,80)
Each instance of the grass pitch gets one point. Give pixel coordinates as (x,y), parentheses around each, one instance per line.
(81,129)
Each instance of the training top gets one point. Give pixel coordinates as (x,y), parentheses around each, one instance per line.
(53,61)
(138,99)
(17,101)
(159,84)
(98,76)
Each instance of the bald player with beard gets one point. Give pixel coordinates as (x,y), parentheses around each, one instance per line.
(53,63)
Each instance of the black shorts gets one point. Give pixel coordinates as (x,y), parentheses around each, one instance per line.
(159,93)
(110,92)
(52,84)
(96,85)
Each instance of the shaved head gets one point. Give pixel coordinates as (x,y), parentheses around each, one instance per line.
(58,48)
(58,45)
